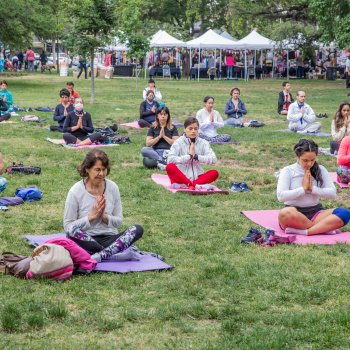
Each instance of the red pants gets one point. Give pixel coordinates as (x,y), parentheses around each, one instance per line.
(177,176)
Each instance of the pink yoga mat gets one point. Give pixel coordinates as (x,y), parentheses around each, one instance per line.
(269,218)
(164,181)
(335,179)
(146,262)
(62,143)
(133,124)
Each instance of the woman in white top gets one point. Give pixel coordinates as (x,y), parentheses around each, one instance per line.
(340,126)
(300,187)
(209,120)
(93,211)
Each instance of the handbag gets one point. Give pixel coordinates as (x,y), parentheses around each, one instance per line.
(51,261)
(13,264)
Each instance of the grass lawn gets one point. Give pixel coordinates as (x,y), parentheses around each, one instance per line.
(221,294)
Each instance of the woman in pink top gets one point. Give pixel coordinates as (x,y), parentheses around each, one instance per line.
(344,152)
(30,57)
(230,62)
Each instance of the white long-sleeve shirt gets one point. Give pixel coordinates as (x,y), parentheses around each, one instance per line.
(297,120)
(290,189)
(79,204)
(341,133)
(207,127)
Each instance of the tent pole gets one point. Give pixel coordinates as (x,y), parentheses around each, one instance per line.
(287,65)
(245,66)
(199,61)
(190,61)
(254,63)
(273,63)
(220,62)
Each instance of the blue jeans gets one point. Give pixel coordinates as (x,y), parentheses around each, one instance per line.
(31,66)
(229,71)
(234,122)
(152,153)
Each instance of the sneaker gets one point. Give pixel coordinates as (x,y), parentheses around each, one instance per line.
(161,166)
(235,187)
(268,232)
(244,187)
(252,237)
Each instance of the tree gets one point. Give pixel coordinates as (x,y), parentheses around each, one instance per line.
(92,26)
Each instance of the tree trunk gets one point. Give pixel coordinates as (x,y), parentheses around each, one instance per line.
(92,78)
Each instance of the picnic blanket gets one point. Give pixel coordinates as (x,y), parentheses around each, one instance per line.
(318,133)
(335,179)
(269,218)
(163,180)
(8,122)
(145,262)
(224,143)
(61,142)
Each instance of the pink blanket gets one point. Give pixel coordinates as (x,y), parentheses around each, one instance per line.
(164,181)
(269,218)
(133,124)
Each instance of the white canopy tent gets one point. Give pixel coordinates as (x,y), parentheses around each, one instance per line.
(163,39)
(228,36)
(253,41)
(210,40)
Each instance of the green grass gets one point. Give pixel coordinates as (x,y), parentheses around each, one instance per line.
(221,294)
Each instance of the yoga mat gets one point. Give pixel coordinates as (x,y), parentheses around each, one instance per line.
(62,143)
(133,124)
(175,123)
(136,125)
(8,122)
(146,262)
(224,143)
(326,152)
(319,133)
(335,179)
(164,181)
(269,218)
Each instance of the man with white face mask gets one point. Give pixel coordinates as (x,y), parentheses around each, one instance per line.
(78,126)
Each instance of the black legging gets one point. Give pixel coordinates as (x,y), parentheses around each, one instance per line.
(71,139)
(82,67)
(5,116)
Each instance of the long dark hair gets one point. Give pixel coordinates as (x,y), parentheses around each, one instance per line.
(306,145)
(169,124)
(338,118)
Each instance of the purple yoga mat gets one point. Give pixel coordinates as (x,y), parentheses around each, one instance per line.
(319,133)
(269,218)
(175,123)
(146,262)
(11,201)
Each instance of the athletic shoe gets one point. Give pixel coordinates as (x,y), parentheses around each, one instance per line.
(268,232)
(244,187)
(252,237)
(161,166)
(235,187)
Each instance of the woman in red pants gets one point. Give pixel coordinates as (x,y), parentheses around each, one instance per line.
(185,156)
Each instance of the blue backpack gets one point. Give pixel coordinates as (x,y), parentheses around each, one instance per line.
(30,193)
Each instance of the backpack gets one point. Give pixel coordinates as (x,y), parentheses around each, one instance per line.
(14,264)
(51,261)
(30,193)
(25,169)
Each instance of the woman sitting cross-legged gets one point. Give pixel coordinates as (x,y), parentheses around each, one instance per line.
(148,109)
(300,187)
(78,128)
(340,126)
(93,211)
(185,156)
(235,109)
(209,120)
(161,135)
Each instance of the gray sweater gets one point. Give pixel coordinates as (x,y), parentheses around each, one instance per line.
(290,189)
(79,204)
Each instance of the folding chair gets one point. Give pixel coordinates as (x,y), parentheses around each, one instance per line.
(166,71)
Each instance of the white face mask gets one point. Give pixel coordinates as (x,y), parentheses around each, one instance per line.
(78,106)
